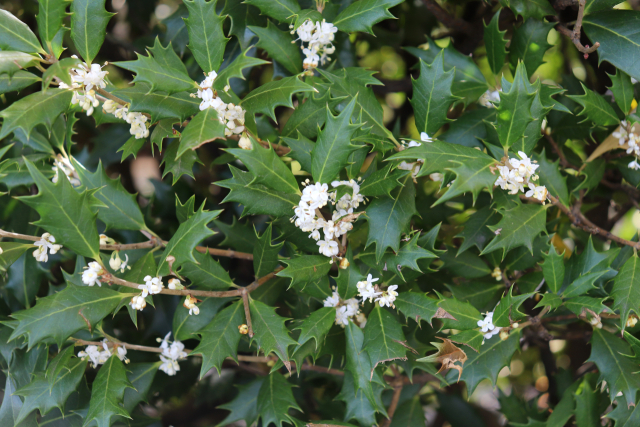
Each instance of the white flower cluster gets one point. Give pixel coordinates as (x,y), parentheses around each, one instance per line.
(98,357)
(83,79)
(489,98)
(116,263)
(319,38)
(46,242)
(138,121)
(91,274)
(345,310)
(152,286)
(414,167)
(63,164)
(625,135)
(171,353)
(230,115)
(190,304)
(517,173)
(366,289)
(487,327)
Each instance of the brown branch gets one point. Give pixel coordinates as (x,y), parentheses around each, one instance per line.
(397,384)
(632,192)
(443,16)
(247,311)
(575,34)
(563,160)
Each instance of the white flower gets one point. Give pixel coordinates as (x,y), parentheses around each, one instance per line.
(90,278)
(40,254)
(388,297)
(437,177)
(497,274)
(63,164)
(190,304)
(116,263)
(138,302)
(153,285)
(634,165)
(539,192)
(353,306)
(424,137)
(328,247)
(333,300)
(342,318)
(319,42)
(366,288)
(121,352)
(245,143)
(169,366)
(110,106)
(46,242)
(175,351)
(174,283)
(621,134)
(489,98)
(486,324)
(361,319)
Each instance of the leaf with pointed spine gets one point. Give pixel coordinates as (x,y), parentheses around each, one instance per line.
(220,338)
(189,234)
(301,149)
(178,166)
(417,306)
(550,177)
(40,394)
(19,80)
(186,326)
(121,209)
(278,45)
(88,27)
(275,398)
(461,315)
(608,353)
(51,13)
(264,99)
(159,105)
(16,35)
(65,213)
(206,273)
(383,337)
(622,90)
(270,332)
(475,230)
(309,117)
(331,151)
(244,405)
(507,309)
(267,168)
(242,16)
(553,269)
(518,227)
(317,326)
(358,405)
(363,15)
(407,256)
(12,62)
(203,128)
(358,363)
(432,95)
(256,198)
(495,44)
(11,405)
(305,269)
(206,38)
(514,110)
(162,69)
(32,110)
(381,182)
(626,289)
(107,393)
(265,255)
(236,69)
(595,108)
(58,316)
(59,69)
(11,251)
(529,44)
(276,9)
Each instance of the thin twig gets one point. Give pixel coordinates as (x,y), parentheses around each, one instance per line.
(563,160)
(116,99)
(247,311)
(575,34)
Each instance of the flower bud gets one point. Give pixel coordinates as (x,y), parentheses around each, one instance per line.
(244,329)
(115,262)
(344,263)
(504,335)
(631,321)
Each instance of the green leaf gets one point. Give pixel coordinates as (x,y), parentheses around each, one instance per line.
(51,13)
(203,128)
(267,168)
(257,199)
(309,117)
(616,31)
(236,68)
(389,218)
(467,264)
(595,108)
(12,62)
(265,98)
(301,148)
(163,129)
(59,362)
(24,280)
(626,289)
(178,166)
(244,405)
(507,309)
(432,95)
(19,80)
(141,376)
(514,109)
(107,393)
(59,69)
(237,235)
(383,337)
(550,177)
(276,9)
(472,167)
(582,284)
(265,255)
(11,251)
(381,182)
(553,269)
(305,269)
(242,16)
(164,71)
(40,394)
(61,315)
(270,332)
(121,209)
(363,15)
(186,326)
(529,8)
(206,38)
(159,104)
(607,352)
(494,355)
(278,45)
(529,44)
(189,234)
(16,35)
(65,213)
(552,301)
(317,326)
(88,27)
(358,363)
(206,273)
(358,405)
(495,44)
(475,231)
(331,151)
(622,90)
(463,315)
(11,406)
(518,227)
(417,306)
(131,147)
(407,256)
(220,338)
(35,109)
(275,398)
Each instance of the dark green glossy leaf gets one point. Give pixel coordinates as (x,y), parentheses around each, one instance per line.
(206,36)
(88,27)
(495,43)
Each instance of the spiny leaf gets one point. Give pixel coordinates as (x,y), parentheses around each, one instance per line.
(475,231)
(550,177)
(244,405)
(595,108)
(32,110)
(495,43)
(51,13)
(264,99)
(553,269)
(529,44)
(59,69)
(65,213)
(277,9)
(364,14)
(160,105)
(60,315)
(220,338)
(309,117)
(358,363)
(317,326)
(242,16)
(381,182)
(622,90)
(270,332)
(582,284)
(417,305)
(107,393)
(206,273)
(265,255)
(206,38)
(529,8)
(358,405)
(267,168)
(514,110)
(305,269)
(186,326)
(626,289)
(383,337)
(178,166)
(16,35)
(278,45)
(88,26)
(189,234)
(461,315)
(507,309)
(11,251)
(203,128)
(301,148)
(19,80)
(432,95)
(275,398)
(236,68)
(518,227)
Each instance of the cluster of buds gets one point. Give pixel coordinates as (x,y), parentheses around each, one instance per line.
(138,121)
(152,286)
(497,274)
(62,164)
(230,115)
(91,274)
(319,38)
(626,136)
(516,173)
(345,310)
(46,243)
(84,79)
(171,353)
(116,263)
(632,320)
(489,98)
(100,357)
